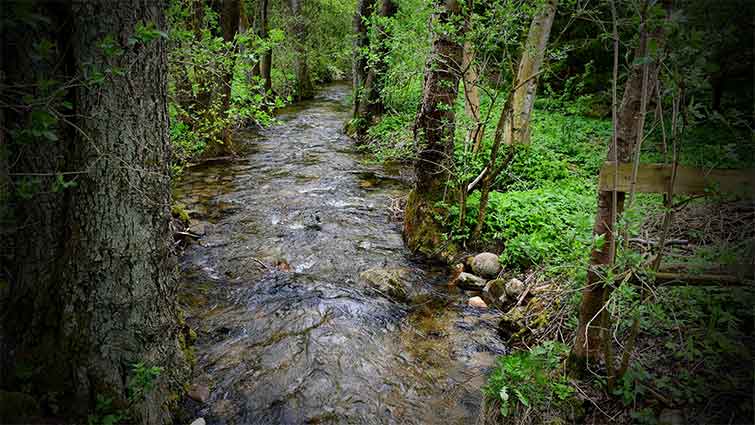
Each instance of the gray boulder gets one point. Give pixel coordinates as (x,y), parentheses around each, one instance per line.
(470,281)
(486,265)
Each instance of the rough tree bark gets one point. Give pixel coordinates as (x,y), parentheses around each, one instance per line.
(304,88)
(370,105)
(229,21)
(434,129)
(91,285)
(588,343)
(529,66)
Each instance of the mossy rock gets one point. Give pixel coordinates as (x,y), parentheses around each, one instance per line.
(391,282)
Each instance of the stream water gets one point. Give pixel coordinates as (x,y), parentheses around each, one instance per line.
(288,331)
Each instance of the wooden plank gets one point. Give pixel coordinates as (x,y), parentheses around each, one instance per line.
(655,178)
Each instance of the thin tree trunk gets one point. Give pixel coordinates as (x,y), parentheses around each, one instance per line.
(92,290)
(610,205)
(434,129)
(251,24)
(529,66)
(266,61)
(304,89)
(361,42)
(229,21)
(472,99)
(370,104)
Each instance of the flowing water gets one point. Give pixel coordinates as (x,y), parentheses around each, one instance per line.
(288,331)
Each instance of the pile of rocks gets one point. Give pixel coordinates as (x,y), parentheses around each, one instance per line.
(481,273)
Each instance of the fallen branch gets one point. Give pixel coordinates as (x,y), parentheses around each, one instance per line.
(477,180)
(679,279)
(669,242)
(186,234)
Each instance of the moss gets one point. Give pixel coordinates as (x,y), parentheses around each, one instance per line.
(423,232)
(179,211)
(186,339)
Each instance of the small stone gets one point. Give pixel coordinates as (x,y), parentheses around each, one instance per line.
(514,288)
(477,302)
(494,293)
(199,393)
(470,281)
(486,265)
(199,421)
(199,229)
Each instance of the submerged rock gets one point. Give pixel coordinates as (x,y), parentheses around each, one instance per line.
(388,281)
(470,281)
(486,265)
(199,393)
(199,421)
(477,302)
(494,293)
(199,228)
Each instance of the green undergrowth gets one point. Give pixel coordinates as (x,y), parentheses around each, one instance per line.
(533,383)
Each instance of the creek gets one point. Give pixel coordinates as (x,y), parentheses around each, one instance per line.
(290,329)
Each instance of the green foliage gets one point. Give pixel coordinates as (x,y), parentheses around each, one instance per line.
(145,33)
(532,378)
(408,46)
(328,43)
(549,224)
(391,139)
(141,382)
(105,413)
(199,60)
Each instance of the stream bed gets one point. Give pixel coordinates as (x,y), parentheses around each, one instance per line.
(290,328)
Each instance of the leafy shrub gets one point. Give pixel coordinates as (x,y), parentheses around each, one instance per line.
(391,139)
(531,379)
(552,223)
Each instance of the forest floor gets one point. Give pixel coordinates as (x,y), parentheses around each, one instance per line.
(692,361)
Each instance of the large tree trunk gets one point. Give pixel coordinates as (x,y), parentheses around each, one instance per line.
(91,283)
(529,66)
(361,41)
(229,21)
(588,343)
(370,104)
(304,88)
(434,129)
